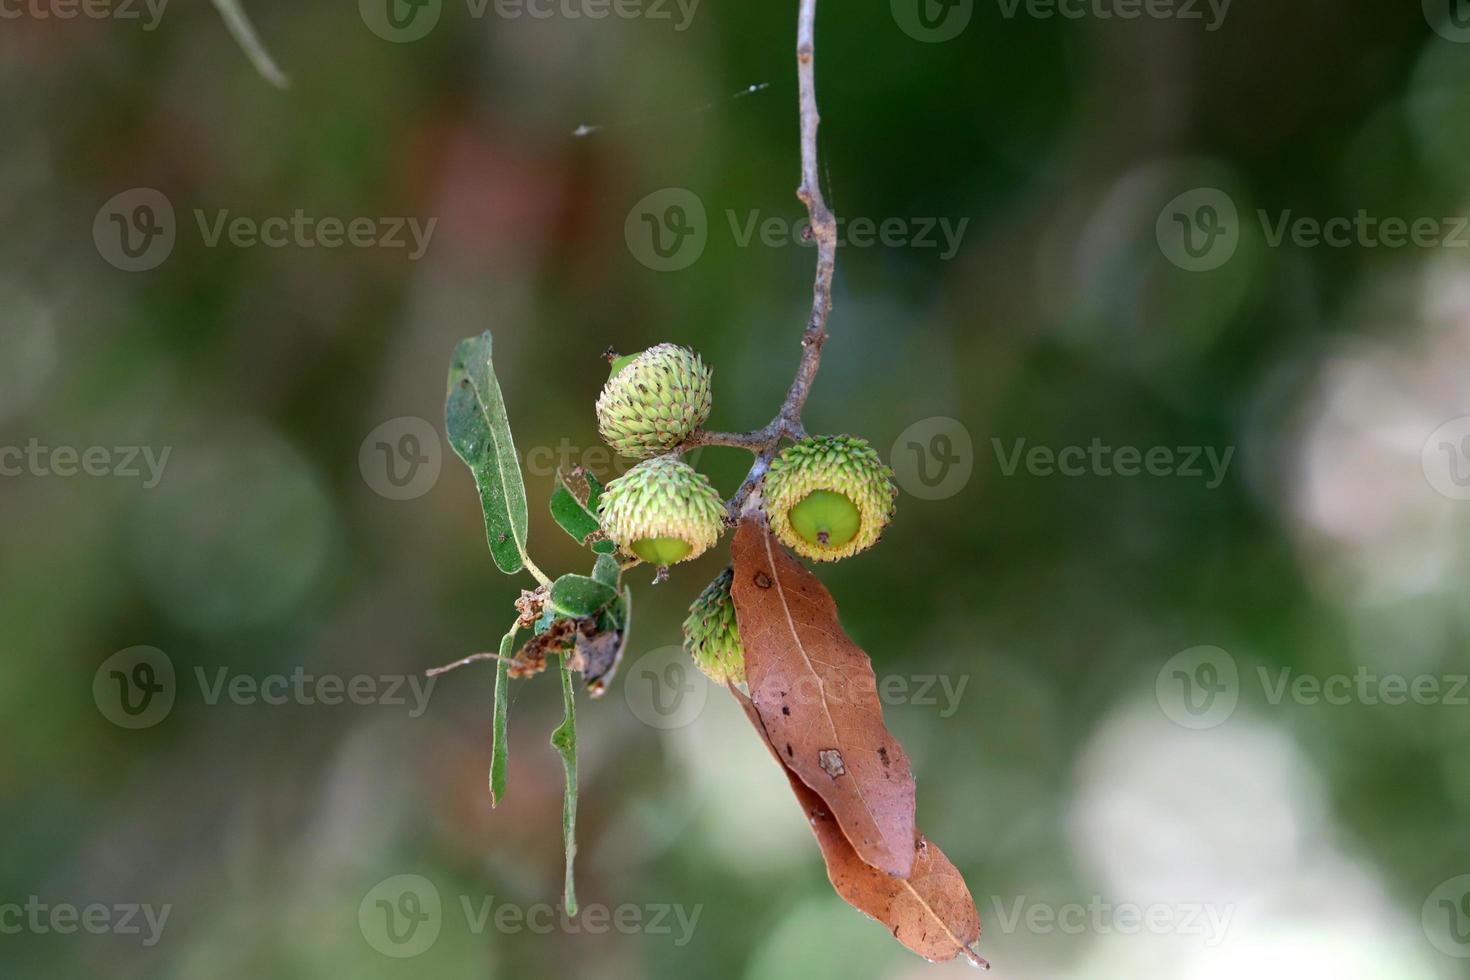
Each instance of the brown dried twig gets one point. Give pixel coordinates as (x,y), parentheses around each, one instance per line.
(765,442)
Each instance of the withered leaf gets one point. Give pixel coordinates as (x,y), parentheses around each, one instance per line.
(931,912)
(818,699)
(590,649)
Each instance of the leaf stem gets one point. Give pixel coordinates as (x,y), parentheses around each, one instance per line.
(532,567)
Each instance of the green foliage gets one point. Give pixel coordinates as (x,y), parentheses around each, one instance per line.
(580,595)
(499,748)
(564,740)
(479,431)
(575,517)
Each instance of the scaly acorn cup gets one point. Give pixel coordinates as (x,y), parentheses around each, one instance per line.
(711,635)
(663,511)
(653,401)
(829,497)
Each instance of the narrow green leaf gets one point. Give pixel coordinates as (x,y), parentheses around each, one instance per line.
(579,595)
(574,516)
(479,431)
(595,486)
(244,34)
(607,571)
(499,748)
(564,740)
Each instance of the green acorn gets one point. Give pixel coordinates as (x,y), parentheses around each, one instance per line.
(653,401)
(829,497)
(663,511)
(711,635)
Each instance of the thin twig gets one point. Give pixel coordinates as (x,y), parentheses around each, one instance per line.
(766,441)
(472,658)
(466,661)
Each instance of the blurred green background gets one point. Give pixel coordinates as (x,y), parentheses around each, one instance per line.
(1122,802)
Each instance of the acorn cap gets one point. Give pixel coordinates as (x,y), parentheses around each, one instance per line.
(829,497)
(663,511)
(711,634)
(653,401)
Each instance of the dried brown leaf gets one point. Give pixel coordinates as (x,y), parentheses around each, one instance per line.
(815,692)
(931,912)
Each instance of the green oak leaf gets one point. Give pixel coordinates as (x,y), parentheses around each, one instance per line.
(576,517)
(579,595)
(564,740)
(479,431)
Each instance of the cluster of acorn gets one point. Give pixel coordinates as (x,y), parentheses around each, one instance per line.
(825,497)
